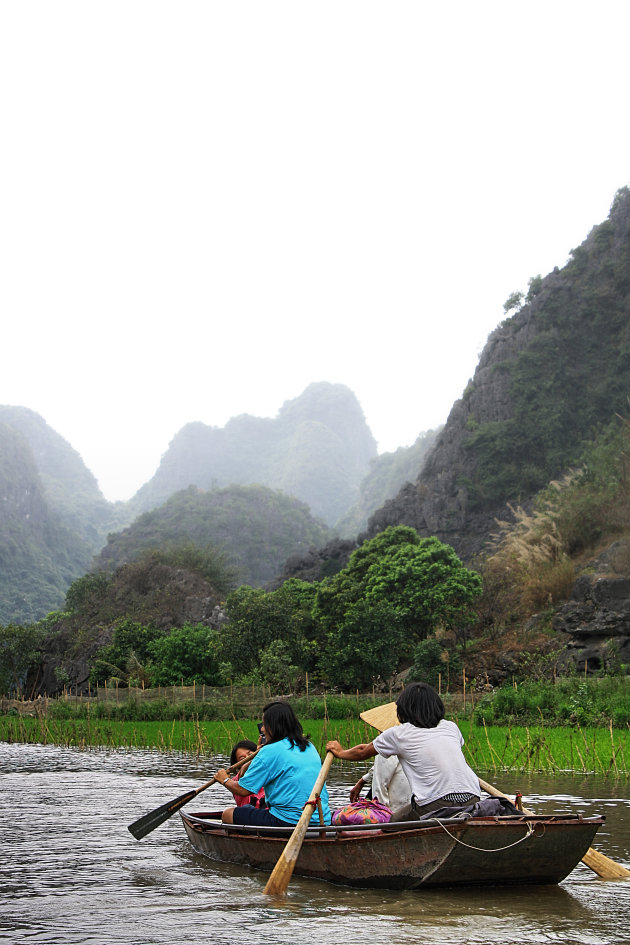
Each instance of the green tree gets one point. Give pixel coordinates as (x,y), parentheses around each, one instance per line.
(129,650)
(422,578)
(276,669)
(515,300)
(426,583)
(432,659)
(254,620)
(186,655)
(20,648)
(257,617)
(534,287)
(396,589)
(365,647)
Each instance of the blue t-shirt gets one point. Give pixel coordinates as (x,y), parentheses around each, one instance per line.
(287,775)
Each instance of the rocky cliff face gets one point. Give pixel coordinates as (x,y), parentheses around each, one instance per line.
(547,376)
(595,622)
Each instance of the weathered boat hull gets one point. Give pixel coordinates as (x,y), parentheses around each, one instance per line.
(482,851)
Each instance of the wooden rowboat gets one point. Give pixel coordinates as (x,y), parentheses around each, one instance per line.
(477,852)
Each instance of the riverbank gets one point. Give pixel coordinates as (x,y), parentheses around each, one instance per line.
(526,749)
(563,701)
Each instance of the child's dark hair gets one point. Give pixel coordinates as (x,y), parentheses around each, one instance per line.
(420,705)
(245,743)
(282,722)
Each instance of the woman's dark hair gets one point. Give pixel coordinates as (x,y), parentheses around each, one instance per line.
(246,743)
(420,705)
(282,722)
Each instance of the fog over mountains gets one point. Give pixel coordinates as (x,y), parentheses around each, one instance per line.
(265,489)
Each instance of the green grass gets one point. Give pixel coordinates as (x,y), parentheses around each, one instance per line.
(497,748)
(550,750)
(191,737)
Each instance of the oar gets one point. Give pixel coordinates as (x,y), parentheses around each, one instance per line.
(598,862)
(140,828)
(283,870)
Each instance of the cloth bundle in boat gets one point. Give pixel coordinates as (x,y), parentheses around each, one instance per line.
(362,811)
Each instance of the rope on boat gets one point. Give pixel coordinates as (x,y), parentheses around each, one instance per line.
(530,830)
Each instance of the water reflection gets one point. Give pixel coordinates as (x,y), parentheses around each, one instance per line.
(72,874)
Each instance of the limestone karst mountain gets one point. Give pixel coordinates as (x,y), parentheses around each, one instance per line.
(54,518)
(549,377)
(552,374)
(317,449)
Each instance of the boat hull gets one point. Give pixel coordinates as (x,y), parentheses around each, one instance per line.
(482,851)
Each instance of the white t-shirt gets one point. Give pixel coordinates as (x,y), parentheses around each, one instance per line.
(432,759)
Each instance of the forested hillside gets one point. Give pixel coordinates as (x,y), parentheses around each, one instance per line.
(52,517)
(255,528)
(317,449)
(152,597)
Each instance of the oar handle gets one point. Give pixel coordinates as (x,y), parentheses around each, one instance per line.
(283,870)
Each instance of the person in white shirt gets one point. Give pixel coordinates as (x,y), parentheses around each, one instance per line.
(430,752)
(388,783)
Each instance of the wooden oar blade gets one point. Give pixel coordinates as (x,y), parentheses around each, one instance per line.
(604,866)
(140,828)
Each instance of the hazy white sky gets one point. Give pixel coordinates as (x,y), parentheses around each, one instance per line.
(206,206)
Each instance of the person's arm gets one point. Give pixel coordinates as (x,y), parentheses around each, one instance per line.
(357,753)
(355,792)
(233,786)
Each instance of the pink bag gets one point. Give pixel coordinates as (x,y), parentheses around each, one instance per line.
(362,812)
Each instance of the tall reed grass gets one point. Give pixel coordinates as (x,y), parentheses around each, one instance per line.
(525,749)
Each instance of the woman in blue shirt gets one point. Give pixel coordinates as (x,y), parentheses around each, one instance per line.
(286,767)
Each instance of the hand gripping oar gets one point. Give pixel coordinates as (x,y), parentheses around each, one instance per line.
(140,828)
(598,862)
(283,870)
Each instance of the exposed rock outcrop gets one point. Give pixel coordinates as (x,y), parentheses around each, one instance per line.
(595,621)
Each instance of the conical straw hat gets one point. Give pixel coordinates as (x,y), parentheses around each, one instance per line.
(381,717)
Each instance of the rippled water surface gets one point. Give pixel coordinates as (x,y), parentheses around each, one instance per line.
(71,873)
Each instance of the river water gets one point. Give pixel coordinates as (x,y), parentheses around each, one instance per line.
(72,874)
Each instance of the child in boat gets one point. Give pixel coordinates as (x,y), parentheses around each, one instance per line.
(430,751)
(240,751)
(286,768)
